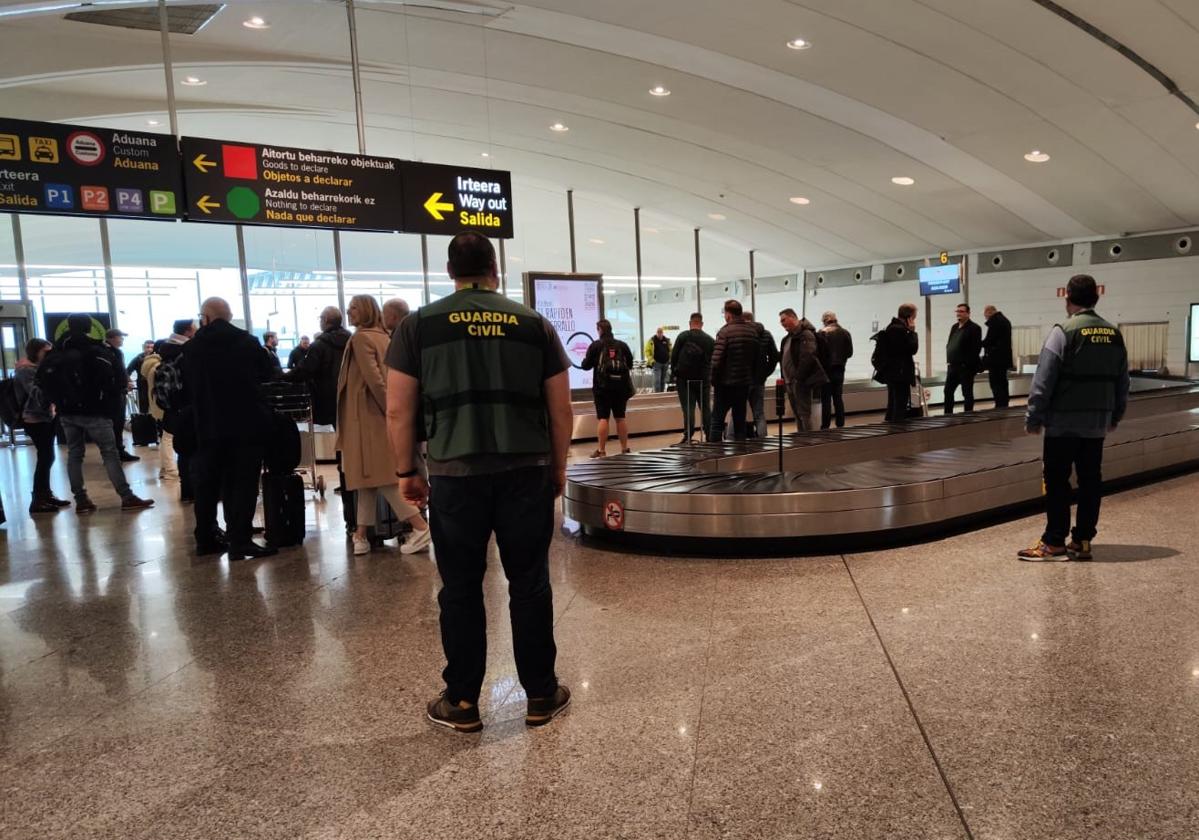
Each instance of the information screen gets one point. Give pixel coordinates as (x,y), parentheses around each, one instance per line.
(941,279)
(573,304)
(1193,349)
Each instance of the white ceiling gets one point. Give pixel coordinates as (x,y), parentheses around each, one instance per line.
(949,92)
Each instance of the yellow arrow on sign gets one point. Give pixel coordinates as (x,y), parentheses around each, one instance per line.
(436,207)
(203,163)
(207,204)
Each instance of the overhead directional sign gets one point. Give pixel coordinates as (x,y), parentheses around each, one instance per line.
(450,199)
(251,183)
(79,170)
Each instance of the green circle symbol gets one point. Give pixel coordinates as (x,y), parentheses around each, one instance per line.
(243,202)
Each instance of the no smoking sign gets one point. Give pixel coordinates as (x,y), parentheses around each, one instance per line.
(614,516)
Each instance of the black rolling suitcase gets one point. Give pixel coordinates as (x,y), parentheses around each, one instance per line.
(283,508)
(387,525)
(144,429)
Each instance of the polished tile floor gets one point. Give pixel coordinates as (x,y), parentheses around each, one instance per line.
(934,691)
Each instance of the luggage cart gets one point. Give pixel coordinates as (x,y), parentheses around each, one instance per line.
(294,401)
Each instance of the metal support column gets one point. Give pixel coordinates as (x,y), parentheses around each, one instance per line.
(356,70)
(109,286)
(19,249)
(570,220)
(698,294)
(168,67)
(341,280)
(753,287)
(424,264)
(640,291)
(928,337)
(503,269)
(245,278)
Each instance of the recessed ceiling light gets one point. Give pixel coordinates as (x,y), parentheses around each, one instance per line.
(193,81)
(255,23)
(1036,156)
(658,90)
(903,180)
(799,44)
(153,122)
(485,154)
(799,199)
(596,241)
(717,217)
(559,127)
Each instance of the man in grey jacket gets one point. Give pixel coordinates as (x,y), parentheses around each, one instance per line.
(1079,394)
(801,366)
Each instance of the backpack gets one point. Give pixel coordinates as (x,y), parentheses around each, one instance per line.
(168,384)
(10,406)
(614,374)
(878,358)
(76,380)
(693,362)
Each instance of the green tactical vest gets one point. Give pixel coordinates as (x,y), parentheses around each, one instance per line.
(1095,355)
(481,362)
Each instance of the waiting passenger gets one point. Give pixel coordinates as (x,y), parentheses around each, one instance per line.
(895,363)
(321,366)
(394,311)
(765,362)
(657,353)
(296,357)
(802,370)
(172,465)
(270,340)
(115,339)
(997,354)
(835,350)
(733,361)
(37,415)
(366,455)
(134,368)
(611,385)
(690,361)
(961,355)
(84,379)
(1079,394)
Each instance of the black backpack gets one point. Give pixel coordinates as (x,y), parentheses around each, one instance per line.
(168,384)
(77,379)
(878,359)
(10,406)
(693,362)
(614,374)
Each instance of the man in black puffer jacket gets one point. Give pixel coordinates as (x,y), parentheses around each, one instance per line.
(321,366)
(733,367)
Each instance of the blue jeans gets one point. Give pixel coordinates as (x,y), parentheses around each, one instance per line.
(661,371)
(757,405)
(79,430)
(518,506)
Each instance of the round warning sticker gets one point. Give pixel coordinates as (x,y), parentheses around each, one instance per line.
(85,148)
(614,515)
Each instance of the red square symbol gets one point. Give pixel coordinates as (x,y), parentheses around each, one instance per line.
(94,198)
(240,162)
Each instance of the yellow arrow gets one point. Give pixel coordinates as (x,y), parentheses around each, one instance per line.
(203,163)
(206,204)
(436,207)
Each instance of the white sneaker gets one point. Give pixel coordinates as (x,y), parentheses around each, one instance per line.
(418,542)
(361,546)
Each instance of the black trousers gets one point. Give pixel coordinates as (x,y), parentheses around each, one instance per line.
(118,426)
(729,398)
(999,387)
(226,472)
(518,507)
(695,393)
(1085,456)
(898,396)
(42,435)
(955,377)
(832,400)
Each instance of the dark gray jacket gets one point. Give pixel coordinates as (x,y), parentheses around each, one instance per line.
(735,354)
(836,346)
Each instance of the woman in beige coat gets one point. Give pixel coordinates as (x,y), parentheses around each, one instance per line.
(366,457)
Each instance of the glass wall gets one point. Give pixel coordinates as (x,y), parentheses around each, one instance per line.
(64,262)
(383,265)
(605,243)
(292,276)
(668,274)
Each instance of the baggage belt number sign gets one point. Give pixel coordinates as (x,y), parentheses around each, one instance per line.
(250,183)
(80,170)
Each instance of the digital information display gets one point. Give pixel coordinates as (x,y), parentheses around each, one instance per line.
(447,200)
(941,279)
(249,183)
(75,170)
(573,303)
(1193,347)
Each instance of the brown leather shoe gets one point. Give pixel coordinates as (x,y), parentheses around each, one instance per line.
(136,503)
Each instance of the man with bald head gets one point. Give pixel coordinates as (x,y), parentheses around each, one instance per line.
(394,311)
(321,366)
(223,367)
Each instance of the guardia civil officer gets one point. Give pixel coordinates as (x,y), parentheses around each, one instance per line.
(1079,394)
(488,378)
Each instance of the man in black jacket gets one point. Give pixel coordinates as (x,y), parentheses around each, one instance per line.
(997,354)
(765,363)
(296,357)
(802,367)
(223,367)
(961,354)
(690,361)
(733,363)
(321,366)
(134,368)
(895,352)
(115,339)
(836,349)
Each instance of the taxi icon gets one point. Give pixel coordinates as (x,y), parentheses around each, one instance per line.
(44,154)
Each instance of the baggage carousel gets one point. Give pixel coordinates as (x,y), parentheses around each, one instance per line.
(859,486)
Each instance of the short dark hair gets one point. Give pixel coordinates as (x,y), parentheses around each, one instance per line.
(965,306)
(733,307)
(906,310)
(182,325)
(789,312)
(697,316)
(34,346)
(1082,291)
(470,254)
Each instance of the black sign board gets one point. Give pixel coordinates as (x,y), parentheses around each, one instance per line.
(450,199)
(77,170)
(248,183)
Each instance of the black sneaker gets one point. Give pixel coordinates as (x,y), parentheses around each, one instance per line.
(460,717)
(128,457)
(38,506)
(84,505)
(544,709)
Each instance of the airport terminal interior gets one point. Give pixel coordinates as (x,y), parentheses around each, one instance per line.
(816,627)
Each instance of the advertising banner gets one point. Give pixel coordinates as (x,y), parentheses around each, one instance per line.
(56,324)
(572,303)
(77,170)
(450,199)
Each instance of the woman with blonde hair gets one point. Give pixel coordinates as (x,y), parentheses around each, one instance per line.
(366,456)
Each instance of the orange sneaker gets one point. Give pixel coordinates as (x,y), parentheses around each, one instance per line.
(1043,551)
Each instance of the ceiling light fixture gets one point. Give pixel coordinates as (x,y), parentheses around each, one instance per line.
(799,44)
(658,90)
(193,81)
(649,230)
(153,122)
(485,154)
(800,200)
(1036,156)
(903,180)
(717,217)
(255,23)
(596,241)
(559,127)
